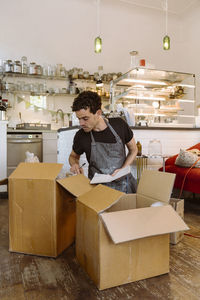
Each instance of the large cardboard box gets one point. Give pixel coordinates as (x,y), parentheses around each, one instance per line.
(178,205)
(121,238)
(41,210)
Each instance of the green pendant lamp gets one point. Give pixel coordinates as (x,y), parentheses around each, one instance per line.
(166,39)
(98,45)
(166,42)
(98,40)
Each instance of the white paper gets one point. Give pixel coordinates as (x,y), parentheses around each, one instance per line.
(102,178)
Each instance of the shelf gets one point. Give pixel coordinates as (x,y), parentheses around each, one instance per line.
(12,74)
(38,93)
(46,94)
(33,76)
(149,93)
(152,77)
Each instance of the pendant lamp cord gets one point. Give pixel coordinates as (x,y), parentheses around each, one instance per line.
(98,17)
(166,16)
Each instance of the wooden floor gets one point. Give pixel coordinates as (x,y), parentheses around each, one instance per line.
(25,277)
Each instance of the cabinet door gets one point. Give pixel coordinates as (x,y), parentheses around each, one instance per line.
(50,147)
(3,153)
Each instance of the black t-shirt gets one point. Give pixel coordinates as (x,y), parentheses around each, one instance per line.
(82,139)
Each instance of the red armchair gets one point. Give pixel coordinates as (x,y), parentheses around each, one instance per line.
(192,180)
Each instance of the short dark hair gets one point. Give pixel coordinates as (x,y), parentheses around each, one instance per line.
(87,100)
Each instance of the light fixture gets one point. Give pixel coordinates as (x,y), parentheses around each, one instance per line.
(145,98)
(99,83)
(166,39)
(144,81)
(98,40)
(155,104)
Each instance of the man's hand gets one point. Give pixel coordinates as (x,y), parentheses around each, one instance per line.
(74,163)
(115,172)
(75,168)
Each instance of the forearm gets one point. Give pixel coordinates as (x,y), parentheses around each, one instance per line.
(74,163)
(73,160)
(130,158)
(132,152)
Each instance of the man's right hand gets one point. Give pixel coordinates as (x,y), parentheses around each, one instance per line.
(76,169)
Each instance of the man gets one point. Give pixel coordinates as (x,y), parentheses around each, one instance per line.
(103,141)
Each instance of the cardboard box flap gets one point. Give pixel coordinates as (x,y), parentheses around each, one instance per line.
(36,171)
(156,185)
(76,185)
(133,224)
(100,198)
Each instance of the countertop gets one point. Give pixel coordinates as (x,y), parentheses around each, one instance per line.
(140,128)
(163,128)
(11,130)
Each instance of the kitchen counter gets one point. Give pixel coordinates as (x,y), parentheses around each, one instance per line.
(139,128)
(163,128)
(12,130)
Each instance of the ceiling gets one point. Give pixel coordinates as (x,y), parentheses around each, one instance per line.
(174,6)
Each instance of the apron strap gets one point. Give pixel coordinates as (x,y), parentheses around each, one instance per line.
(118,139)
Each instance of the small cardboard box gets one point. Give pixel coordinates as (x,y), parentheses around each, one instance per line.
(119,237)
(178,205)
(41,210)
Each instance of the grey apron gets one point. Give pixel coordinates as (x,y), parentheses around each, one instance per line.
(105,158)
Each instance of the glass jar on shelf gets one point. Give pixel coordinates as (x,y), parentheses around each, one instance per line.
(96,76)
(9,86)
(53,71)
(38,69)
(5,103)
(86,75)
(80,73)
(45,70)
(1,66)
(58,67)
(32,68)
(104,77)
(91,77)
(75,73)
(63,72)
(24,65)
(17,67)
(8,66)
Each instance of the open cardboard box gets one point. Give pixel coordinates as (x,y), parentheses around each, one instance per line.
(41,210)
(178,205)
(119,237)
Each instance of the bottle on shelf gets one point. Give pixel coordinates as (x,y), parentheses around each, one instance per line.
(139,146)
(24,65)
(2,110)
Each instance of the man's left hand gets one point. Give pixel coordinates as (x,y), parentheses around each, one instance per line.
(115,172)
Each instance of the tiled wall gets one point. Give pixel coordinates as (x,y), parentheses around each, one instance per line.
(171,141)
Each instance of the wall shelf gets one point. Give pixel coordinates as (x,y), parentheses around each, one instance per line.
(169,96)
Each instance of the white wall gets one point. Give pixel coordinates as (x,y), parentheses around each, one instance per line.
(64,31)
(191,46)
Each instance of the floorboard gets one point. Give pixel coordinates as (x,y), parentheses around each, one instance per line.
(26,277)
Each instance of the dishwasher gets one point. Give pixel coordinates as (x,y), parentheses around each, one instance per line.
(18,144)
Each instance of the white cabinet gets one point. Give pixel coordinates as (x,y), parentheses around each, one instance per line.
(3,153)
(49,143)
